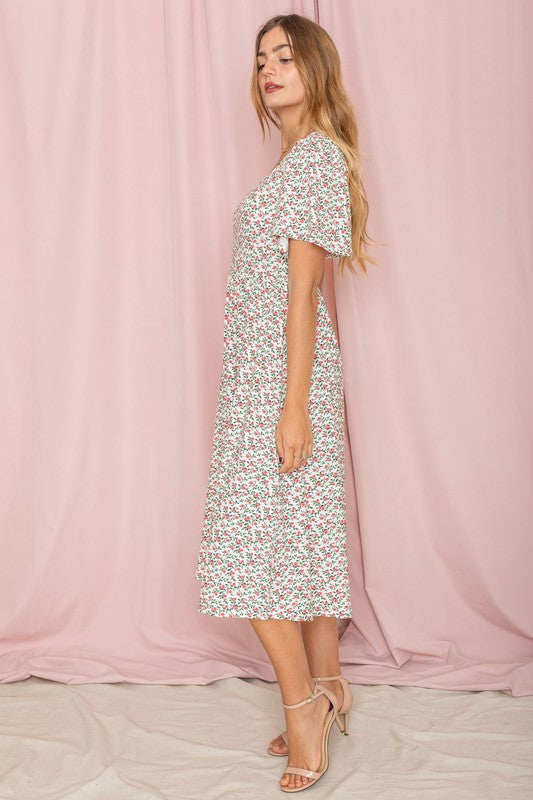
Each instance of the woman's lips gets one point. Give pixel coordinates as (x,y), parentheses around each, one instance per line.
(273,88)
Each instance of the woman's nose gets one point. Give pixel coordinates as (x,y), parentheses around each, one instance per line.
(267,69)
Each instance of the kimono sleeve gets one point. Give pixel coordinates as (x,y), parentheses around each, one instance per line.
(314,200)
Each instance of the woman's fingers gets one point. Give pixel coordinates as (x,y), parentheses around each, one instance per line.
(293,458)
(294,440)
(285,459)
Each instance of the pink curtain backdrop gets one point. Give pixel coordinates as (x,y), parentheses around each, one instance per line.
(127,140)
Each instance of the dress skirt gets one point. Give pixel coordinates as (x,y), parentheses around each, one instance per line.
(273,544)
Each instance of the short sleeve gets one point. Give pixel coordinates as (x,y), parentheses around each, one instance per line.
(314,201)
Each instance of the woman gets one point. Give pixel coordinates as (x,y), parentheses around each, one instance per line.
(273,548)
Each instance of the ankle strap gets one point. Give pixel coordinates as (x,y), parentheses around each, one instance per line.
(329,678)
(316,692)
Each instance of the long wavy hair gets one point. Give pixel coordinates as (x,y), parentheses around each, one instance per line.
(328,109)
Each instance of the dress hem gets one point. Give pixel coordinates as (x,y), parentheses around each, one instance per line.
(300,618)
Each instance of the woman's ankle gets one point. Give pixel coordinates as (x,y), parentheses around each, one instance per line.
(297,696)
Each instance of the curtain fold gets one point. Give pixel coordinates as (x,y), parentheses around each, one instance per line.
(128,140)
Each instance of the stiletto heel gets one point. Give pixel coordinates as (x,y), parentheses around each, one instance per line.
(345,728)
(347,702)
(339,723)
(324,756)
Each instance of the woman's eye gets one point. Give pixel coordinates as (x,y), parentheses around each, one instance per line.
(260,66)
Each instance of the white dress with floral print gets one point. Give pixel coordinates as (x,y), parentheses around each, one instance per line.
(274,544)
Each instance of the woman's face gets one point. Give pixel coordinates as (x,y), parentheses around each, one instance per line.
(275,65)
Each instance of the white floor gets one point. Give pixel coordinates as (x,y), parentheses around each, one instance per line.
(141,742)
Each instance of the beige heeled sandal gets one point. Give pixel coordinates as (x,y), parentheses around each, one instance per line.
(347,702)
(324,755)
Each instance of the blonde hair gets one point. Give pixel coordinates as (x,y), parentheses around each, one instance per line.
(328,109)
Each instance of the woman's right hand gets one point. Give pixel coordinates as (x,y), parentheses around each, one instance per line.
(294,438)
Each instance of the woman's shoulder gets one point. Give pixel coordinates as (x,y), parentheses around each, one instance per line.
(322,150)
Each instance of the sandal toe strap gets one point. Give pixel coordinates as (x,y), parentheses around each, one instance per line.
(307,773)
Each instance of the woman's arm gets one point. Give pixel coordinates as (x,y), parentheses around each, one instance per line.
(294,435)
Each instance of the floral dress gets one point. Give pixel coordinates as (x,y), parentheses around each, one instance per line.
(273,544)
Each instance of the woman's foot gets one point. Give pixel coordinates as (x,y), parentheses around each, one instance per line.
(279,745)
(305,727)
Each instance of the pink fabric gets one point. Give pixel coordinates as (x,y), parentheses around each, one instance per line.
(127,140)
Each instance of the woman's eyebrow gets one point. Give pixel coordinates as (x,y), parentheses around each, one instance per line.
(277,47)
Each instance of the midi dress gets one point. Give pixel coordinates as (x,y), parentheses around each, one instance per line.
(273,545)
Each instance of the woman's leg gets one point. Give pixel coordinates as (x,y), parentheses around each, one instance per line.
(283,642)
(320,638)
